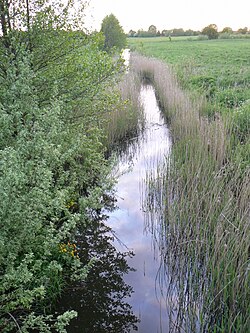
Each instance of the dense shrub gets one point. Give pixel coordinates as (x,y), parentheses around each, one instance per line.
(54,178)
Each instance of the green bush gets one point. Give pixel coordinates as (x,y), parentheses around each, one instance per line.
(225,35)
(53,177)
(202,37)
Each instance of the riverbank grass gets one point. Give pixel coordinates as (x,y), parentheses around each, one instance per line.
(201,199)
(124,119)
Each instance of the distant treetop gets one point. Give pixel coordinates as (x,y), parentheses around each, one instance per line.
(113,33)
(211,31)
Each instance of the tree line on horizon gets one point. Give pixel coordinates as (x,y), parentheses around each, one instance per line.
(115,37)
(211,31)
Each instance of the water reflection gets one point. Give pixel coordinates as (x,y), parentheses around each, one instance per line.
(147,301)
(101,299)
(105,302)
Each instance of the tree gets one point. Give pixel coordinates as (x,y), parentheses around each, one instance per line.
(227,30)
(152,30)
(178,32)
(132,33)
(242,30)
(189,32)
(53,173)
(166,33)
(113,33)
(211,31)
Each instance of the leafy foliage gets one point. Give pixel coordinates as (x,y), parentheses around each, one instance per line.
(227,30)
(113,32)
(211,31)
(45,163)
(54,179)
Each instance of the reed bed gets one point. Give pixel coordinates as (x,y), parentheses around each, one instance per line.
(200,198)
(125,118)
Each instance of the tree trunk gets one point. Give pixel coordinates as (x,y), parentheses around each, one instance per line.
(28,24)
(5,21)
(3,18)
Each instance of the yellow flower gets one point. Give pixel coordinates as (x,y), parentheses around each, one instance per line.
(69,248)
(70,204)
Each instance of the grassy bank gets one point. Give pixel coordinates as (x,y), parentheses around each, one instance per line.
(124,118)
(218,69)
(201,199)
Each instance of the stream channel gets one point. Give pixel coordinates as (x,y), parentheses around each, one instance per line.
(104,302)
(128,222)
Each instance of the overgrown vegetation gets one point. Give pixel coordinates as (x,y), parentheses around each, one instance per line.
(54,178)
(201,68)
(127,120)
(201,198)
(115,38)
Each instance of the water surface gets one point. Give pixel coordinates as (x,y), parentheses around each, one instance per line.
(104,302)
(128,222)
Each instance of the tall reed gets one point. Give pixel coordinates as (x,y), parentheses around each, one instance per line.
(124,118)
(201,200)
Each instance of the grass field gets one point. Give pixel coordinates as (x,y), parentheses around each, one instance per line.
(220,69)
(206,54)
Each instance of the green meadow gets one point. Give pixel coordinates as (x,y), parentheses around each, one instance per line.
(218,68)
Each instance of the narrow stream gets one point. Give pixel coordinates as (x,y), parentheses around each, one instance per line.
(103,301)
(128,221)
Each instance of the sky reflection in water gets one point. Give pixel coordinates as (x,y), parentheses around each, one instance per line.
(128,220)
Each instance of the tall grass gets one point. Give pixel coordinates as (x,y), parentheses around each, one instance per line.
(125,118)
(201,199)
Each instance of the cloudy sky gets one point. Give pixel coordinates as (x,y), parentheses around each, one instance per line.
(165,14)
